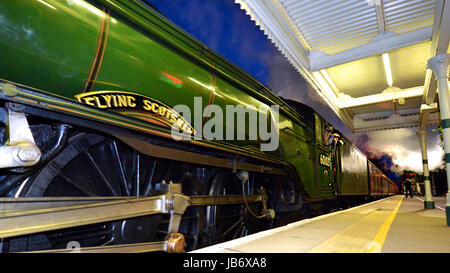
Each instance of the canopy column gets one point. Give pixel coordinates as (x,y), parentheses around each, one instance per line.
(428,202)
(439,66)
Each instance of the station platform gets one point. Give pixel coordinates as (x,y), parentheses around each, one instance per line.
(390,225)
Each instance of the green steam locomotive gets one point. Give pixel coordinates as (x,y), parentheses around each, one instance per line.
(121,130)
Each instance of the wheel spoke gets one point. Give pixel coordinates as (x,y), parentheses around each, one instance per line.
(99,171)
(136,188)
(232,226)
(243,230)
(108,242)
(149,180)
(162,231)
(236,233)
(75,185)
(116,157)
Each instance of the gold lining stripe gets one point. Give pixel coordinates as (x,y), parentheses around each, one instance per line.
(101,48)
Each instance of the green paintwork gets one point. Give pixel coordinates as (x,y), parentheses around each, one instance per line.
(354,173)
(35,45)
(52,45)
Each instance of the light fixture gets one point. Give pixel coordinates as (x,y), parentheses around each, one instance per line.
(387,68)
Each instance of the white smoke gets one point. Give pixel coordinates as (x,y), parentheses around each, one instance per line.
(403,146)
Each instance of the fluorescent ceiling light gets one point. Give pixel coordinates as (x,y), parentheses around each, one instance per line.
(387,68)
(382,97)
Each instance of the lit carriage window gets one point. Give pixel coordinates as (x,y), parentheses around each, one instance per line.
(326,133)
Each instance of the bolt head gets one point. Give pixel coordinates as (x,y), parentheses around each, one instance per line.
(243,176)
(270,214)
(9,89)
(176,243)
(27,154)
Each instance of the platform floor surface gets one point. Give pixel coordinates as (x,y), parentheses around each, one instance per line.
(390,225)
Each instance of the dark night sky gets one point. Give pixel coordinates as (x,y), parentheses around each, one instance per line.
(225,28)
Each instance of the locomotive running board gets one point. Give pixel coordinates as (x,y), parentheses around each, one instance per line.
(22,216)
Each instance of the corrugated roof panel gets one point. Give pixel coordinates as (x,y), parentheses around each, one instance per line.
(359,78)
(406,15)
(409,64)
(367,76)
(334,25)
(347,43)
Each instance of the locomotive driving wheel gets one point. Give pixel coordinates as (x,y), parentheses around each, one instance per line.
(92,165)
(228,222)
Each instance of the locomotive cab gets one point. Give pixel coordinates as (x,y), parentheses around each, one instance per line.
(326,149)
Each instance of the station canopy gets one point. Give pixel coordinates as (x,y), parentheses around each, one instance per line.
(366,58)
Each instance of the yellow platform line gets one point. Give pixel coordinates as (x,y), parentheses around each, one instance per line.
(380,237)
(364,235)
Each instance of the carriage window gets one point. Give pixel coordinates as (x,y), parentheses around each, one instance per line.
(323,131)
(327,134)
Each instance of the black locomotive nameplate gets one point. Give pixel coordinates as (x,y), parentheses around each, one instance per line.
(138,106)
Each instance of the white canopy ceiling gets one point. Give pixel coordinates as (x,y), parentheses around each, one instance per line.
(366,58)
